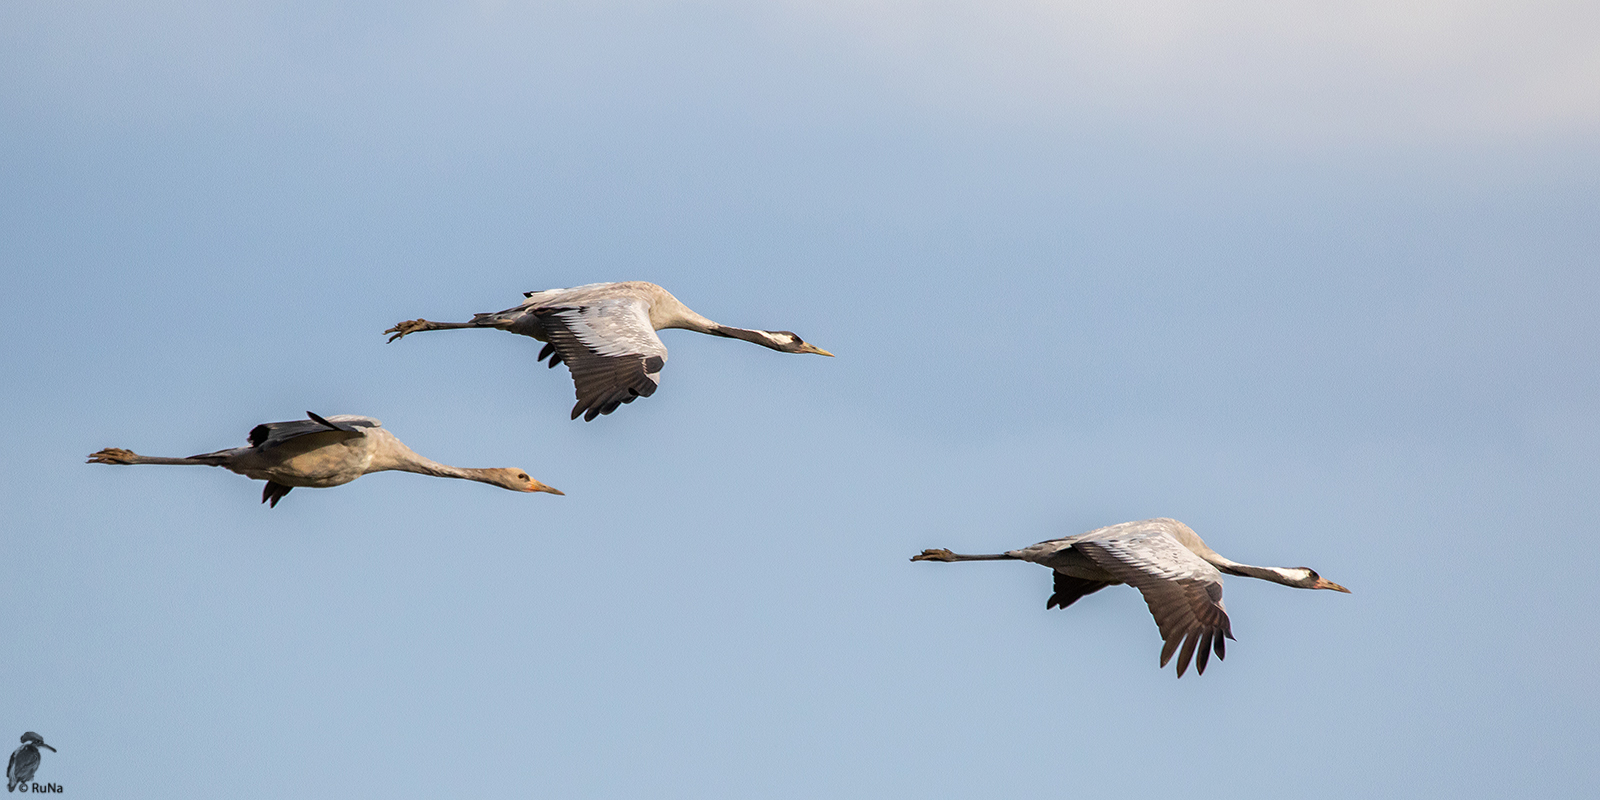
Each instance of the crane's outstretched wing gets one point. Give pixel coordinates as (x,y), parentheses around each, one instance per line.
(611,348)
(271,434)
(1184,592)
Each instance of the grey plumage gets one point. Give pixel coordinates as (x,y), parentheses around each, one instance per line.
(1179,576)
(606,335)
(322,452)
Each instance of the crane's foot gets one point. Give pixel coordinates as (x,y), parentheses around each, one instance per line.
(409,326)
(940,554)
(113,455)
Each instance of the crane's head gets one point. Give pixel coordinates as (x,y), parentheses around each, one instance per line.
(35,739)
(518,481)
(790,342)
(1307,578)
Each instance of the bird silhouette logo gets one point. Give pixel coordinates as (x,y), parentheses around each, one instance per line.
(25,762)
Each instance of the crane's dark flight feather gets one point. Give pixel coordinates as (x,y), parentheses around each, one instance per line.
(273,492)
(334,426)
(1069,590)
(602,383)
(1184,609)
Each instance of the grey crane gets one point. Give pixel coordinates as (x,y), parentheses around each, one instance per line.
(606,335)
(322,452)
(25,760)
(1179,576)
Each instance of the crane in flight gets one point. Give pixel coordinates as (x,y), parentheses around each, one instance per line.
(1179,576)
(606,335)
(321,452)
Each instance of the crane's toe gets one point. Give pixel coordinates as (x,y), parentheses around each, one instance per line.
(939,554)
(409,326)
(112,455)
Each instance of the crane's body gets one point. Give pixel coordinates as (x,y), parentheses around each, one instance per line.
(25,761)
(1178,574)
(324,451)
(606,335)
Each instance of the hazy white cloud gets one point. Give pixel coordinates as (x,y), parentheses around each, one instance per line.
(1350,71)
(1357,69)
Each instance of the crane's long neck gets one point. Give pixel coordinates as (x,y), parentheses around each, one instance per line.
(762,338)
(427,466)
(396,456)
(669,312)
(1281,575)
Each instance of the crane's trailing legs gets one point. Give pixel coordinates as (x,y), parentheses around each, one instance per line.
(117,455)
(418,325)
(942,554)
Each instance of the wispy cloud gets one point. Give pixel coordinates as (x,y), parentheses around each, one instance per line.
(1359,69)
(1352,71)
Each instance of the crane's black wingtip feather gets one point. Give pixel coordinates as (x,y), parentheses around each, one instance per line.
(1187,653)
(320,421)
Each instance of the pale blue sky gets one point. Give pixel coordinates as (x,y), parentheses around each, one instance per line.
(1320,283)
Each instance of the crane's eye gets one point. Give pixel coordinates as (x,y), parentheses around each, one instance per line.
(522,476)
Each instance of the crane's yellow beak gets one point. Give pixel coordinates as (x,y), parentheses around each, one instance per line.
(1324,583)
(807,347)
(539,487)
